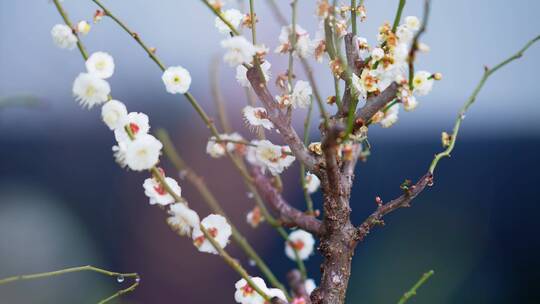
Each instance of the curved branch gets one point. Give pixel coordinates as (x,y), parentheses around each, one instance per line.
(281,121)
(289,215)
(376,103)
(461,115)
(403,201)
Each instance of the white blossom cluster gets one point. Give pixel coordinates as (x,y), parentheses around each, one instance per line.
(136,148)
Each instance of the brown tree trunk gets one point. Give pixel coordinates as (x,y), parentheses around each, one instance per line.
(338,241)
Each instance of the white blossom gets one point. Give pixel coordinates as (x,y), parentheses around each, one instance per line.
(310,286)
(390,117)
(143,152)
(413,23)
(272,157)
(422,83)
(183,220)
(312,182)
(245,294)
(158,194)
(234,144)
(114,114)
(136,122)
(83,27)
(63,37)
(301,241)
(233,16)
(100,64)
(377,54)
(217,227)
(239,50)
(215,149)
(301,95)
(176,79)
(304,46)
(357,85)
(90,90)
(257,117)
(241,74)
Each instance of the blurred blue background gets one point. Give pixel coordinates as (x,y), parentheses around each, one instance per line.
(64,202)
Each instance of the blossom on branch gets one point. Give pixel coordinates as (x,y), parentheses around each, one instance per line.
(218,228)
(114,114)
(300,241)
(100,64)
(63,37)
(137,124)
(157,193)
(246,294)
(233,16)
(257,117)
(239,50)
(90,90)
(182,220)
(301,95)
(143,152)
(176,79)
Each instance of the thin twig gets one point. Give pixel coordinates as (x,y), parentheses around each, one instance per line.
(461,115)
(412,292)
(414,46)
(118,275)
(399,11)
(218,97)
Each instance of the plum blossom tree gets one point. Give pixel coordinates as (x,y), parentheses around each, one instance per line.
(372,83)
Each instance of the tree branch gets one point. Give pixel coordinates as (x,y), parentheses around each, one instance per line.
(403,201)
(281,121)
(376,103)
(289,215)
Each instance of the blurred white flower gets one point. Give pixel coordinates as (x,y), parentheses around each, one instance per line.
(312,182)
(143,152)
(83,27)
(182,220)
(390,117)
(176,79)
(377,54)
(413,23)
(114,114)
(310,286)
(422,83)
(239,50)
(301,95)
(254,217)
(233,16)
(215,149)
(301,241)
(218,228)
(100,64)
(90,90)
(63,37)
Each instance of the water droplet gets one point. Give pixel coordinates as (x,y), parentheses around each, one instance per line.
(249,195)
(462,116)
(251,263)
(137,279)
(120,278)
